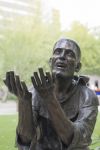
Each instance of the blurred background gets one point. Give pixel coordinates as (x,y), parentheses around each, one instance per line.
(28,31)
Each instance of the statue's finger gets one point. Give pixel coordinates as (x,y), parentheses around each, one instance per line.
(24,87)
(37,79)
(42,76)
(25,90)
(18,85)
(13,83)
(7,81)
(34,82)
(49,78)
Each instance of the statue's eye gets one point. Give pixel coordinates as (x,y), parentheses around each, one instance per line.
(71,54)
(57,51)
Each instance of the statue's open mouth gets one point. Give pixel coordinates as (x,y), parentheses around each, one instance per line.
(61,65)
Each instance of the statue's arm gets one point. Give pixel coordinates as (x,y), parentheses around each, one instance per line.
(26,130)
(85,123)
(63,126)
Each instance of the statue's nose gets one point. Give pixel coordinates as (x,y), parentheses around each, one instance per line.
(62,54)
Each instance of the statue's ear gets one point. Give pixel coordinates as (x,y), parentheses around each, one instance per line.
(78,67)
(50,62)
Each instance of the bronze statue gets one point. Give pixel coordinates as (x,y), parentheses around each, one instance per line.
(59,112)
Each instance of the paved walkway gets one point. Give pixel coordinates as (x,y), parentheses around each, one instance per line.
(10,107)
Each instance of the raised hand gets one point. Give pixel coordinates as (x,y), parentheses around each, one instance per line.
(17,87)
(43,83)
(25,128)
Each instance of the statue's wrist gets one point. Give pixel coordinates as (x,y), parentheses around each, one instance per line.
(23,140)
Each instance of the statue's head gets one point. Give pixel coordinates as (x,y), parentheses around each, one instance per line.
(66,56)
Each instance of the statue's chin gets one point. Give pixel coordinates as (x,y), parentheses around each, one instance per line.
(62,75)
(58,74)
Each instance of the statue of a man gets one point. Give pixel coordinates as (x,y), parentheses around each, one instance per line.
(59,112)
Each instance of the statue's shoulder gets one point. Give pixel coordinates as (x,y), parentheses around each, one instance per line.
(88,96)
(82,80)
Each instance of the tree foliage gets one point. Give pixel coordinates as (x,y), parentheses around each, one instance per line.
(29,43)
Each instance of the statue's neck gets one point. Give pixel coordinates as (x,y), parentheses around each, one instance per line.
(62,85)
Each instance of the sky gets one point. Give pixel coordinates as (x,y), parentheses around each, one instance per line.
(85,11)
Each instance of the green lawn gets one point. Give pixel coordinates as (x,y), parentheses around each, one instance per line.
(96,134)
(7,132)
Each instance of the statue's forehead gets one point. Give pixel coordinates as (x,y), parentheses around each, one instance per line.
(65,45)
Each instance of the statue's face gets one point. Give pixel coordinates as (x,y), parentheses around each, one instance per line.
(64,61)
